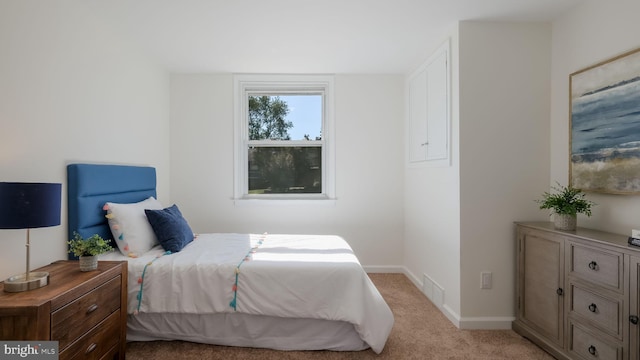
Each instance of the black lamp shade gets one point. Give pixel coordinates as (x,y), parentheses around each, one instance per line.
(29,205)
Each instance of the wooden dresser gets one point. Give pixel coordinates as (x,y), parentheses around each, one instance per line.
(84,311)
(577,292)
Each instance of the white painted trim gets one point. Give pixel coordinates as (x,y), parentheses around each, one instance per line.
(466,323)
(486,323)
(443,49)
(384,269)
(453,316)
(414,279)
(290,201)
(243,83)
(477,323)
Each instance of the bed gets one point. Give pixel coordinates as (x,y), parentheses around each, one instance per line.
(278,291)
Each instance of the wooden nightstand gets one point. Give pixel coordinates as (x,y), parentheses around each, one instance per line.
(86,312)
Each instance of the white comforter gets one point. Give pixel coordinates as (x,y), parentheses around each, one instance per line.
(300,276)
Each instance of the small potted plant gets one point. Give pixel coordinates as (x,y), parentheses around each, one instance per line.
(566,203)
(87,250)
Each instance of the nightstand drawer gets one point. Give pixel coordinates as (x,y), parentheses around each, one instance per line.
(76,309)
(598,266)
(79,316)
(97,342)
(603,312)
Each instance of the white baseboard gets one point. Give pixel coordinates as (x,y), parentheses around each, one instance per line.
(453,316)
(388,269)
(486,323)
(414,279)
(478,323)
(466,323)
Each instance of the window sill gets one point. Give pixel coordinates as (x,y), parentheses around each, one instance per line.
(285,201)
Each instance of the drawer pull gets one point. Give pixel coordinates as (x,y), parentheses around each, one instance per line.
(593,308)
(592,350)
(560,291)
(90,348)
(92,308)
(593,266)
(633,319)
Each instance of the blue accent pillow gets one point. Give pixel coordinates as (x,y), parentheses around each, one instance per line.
(171,228)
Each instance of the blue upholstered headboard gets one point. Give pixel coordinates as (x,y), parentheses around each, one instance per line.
(90,186)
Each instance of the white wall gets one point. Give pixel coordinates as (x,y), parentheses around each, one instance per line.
(369,179)
(72,90)
(504,156)
(459,219)
(594,32)
(432,211)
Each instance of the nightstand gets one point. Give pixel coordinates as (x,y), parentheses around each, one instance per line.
(86,312)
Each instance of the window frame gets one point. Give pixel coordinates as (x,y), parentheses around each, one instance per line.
(246,85)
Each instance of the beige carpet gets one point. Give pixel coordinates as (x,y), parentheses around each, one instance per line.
(420,331)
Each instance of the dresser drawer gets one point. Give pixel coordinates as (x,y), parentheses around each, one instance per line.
(97,342)
(592,345)
(596,265)
(76,318)
(601,311)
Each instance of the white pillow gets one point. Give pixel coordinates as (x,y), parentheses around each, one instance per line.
(130,228)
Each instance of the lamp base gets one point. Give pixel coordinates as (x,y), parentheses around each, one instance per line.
(18,283)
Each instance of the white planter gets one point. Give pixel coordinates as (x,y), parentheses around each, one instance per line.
(88,263)
(565,222)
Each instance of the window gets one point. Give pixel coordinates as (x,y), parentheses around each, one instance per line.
(284,137)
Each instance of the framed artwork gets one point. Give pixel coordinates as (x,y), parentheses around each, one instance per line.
(605,126)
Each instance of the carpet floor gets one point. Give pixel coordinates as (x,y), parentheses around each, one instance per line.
(420,331)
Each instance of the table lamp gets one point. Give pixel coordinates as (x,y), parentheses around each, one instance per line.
(28,206)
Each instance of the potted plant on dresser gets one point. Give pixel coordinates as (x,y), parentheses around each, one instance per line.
(87,250)
(566,203)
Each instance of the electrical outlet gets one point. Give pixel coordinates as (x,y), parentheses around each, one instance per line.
(485,280)
(635,234)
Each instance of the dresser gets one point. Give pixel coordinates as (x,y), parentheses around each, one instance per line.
(84,311)
(577,292)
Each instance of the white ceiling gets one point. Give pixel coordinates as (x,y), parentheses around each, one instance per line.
(304,36)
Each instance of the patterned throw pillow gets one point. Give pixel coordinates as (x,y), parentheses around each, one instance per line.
(131,230)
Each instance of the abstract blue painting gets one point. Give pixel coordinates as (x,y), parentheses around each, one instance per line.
(605,126)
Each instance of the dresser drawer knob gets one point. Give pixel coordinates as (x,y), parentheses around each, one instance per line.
(593,266)
(592,350)
(92,308)
(91,347)
(593,308)
(633,319)
(560,291)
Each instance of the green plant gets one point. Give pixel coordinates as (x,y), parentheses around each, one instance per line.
(93,245)
(566,200)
